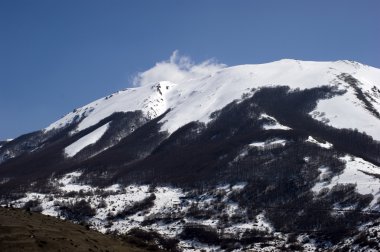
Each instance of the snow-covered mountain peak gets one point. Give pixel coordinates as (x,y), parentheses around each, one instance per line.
(352,63)
(151,99)
(195,97)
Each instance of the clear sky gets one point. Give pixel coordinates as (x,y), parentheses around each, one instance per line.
(59,55)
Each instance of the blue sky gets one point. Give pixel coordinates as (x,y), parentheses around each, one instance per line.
(59,55)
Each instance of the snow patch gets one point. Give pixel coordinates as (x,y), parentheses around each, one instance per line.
(166,198)
(85,141)
(273,124)
(272,143)
(325,145)
(324,173)
(68,183)
(239,186)
(357,171)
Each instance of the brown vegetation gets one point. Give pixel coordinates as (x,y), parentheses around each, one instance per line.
(21,230)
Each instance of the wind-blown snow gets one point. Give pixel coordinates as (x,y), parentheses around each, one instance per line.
(194,91)
(88,139)
(177,69)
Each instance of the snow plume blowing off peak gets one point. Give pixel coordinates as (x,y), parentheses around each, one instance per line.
(178,69)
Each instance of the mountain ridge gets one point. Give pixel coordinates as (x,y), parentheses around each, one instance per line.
(283,155)
(155,103)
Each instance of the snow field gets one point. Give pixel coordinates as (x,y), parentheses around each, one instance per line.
(215,88)
(346,111)
(357,171)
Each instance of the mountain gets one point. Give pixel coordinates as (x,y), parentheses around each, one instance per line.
(283,155)
(216,90)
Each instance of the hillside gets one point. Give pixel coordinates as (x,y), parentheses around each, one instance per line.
(25,231)
(276,156)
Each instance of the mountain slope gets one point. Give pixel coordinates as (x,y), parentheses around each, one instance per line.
(357,107)
(216,89)
(26,231)
(290,145)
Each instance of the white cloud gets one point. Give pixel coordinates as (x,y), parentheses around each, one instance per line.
(178,69)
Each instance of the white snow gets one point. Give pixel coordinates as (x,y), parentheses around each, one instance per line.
(6,141)
(325,145)
(259,223)
(87,140)
(69,177)
(239,186)
(169,200)
(205,89)
(322,182)
(263,223)
(150,99)
(269,143)
(166,198)
(354,173)
(274,124)
(68,183)
(113,188)
(347,112)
